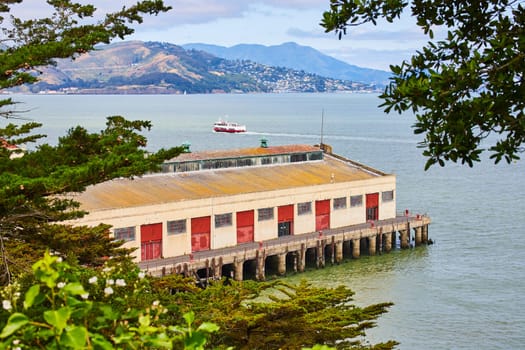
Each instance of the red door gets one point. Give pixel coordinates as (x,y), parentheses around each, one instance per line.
(372,206)
(200,233)
(245,226)
(285,220)
(322,215)
(151,241)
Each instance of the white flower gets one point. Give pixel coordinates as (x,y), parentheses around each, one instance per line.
(106,269)
(16,341)
(84,296)
(6,304)
(61,285)
(120,282)
(142,275)
(59,259)
(156,303)
(93,280)
(108,290)
(110,282)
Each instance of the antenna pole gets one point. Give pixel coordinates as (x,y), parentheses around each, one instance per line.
(322,124)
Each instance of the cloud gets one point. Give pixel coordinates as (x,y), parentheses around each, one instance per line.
(370,58)
(183,11)
(189,11)
(314,33)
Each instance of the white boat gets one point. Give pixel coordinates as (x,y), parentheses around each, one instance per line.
(226,126)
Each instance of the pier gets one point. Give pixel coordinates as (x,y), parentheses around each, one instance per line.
(294,252)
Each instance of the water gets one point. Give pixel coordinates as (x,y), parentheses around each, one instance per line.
(464,292)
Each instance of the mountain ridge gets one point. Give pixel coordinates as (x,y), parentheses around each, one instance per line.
(136,67)
(285,55)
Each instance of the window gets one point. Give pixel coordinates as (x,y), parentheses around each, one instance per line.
(176,226)
(223,220)
(223,163)
(387,196)
(265,214)
(340,203)
(304,208)
(244,162)
(356,201)
(125,233)
(188,166)
(300,157)
(316,156)
(207,164)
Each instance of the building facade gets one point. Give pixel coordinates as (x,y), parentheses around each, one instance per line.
(206,201)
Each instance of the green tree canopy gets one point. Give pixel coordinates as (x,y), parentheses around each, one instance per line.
(30,185)
(58,305)
(463,88)
(71,30)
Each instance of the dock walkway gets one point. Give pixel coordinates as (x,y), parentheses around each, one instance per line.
(291,251)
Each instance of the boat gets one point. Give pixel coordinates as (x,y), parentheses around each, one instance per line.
(226,126)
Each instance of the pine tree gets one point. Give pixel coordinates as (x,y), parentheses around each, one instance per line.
(32,181)
(278,315)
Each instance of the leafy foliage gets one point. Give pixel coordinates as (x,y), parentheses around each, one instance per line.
(30,188)
(60,305)
(462,88)
(70,31)
(75,308)
(32,181)
(277,315)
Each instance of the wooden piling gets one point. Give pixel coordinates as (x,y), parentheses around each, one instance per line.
(260,273)
(372,245)
(356,248)
(388,242)
(339,252)
(418,236)
(238,269)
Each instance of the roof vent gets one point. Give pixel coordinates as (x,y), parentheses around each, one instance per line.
(186,147)
(264,143)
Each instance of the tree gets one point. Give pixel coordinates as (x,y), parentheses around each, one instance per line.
(464,88)
(278,315)
(68,307)
(31,207)
(58,305)
(70,31)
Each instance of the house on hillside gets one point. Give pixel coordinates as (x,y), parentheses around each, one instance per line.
(206,202)
(14,150)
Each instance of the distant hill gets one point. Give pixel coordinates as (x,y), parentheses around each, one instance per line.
(163,68)
(294,56)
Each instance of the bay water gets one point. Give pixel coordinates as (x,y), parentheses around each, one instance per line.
(466,291)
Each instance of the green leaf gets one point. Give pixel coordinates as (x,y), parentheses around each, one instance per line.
(74,337)
(196,340)
(208,327)
(31,295)
(189,317)
(74,288)
(58,318)
(14,323)
(99,342)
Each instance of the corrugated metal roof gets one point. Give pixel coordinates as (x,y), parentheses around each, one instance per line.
(244,152)
(172,187)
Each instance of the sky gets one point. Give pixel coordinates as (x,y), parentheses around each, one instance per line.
(268,22)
